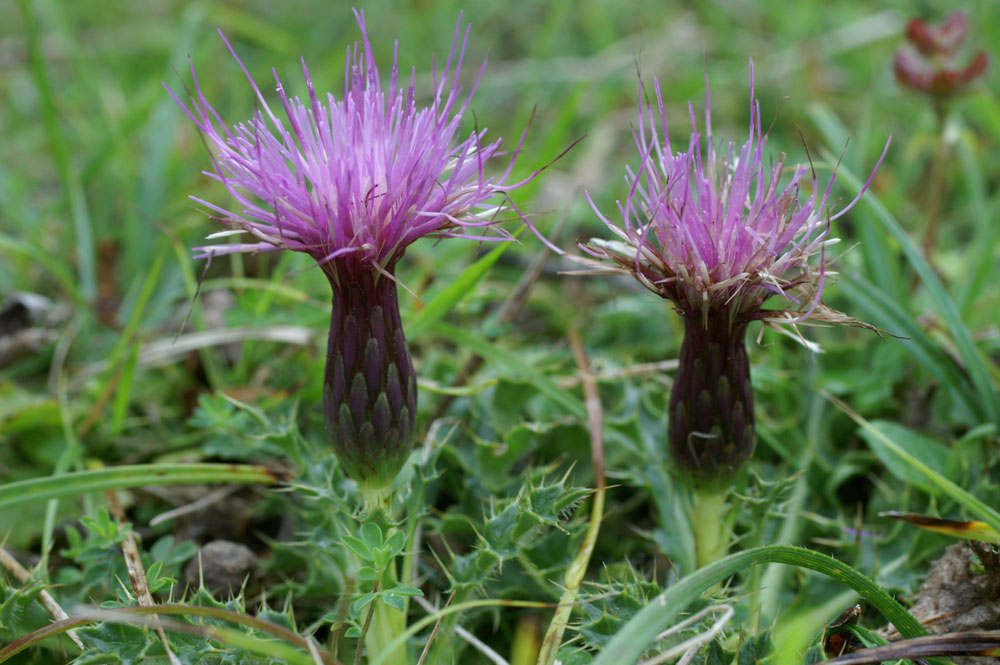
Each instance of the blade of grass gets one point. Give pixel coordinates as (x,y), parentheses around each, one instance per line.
(987,393)
(268,287)
(115,373)
(157,143)
(969,502)
(986,232)
(122,477)
(70,177)
(68,458)
(124,342)
(124,394)
(630,642)
(191,286)
(245,25)
(885,311)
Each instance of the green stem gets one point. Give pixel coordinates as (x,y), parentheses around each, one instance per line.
(366,627)
(378,503)
(935,186)
(387,624)
(708,521)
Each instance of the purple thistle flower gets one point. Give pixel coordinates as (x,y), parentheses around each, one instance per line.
(352,183)
(718,235)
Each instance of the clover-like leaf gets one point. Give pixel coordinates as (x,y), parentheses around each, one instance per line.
(395,543)
(359,547)
(371,533)
(394,600)
(362,602)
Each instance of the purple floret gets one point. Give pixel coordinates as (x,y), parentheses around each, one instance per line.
(367,174)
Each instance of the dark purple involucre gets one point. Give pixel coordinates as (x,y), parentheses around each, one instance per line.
(369,386)
(711,418)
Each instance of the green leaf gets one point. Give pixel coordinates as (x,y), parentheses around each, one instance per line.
(935,455)
(115,643)
(363,601)
(394,600)
(371,533)
(755,649)
(359,547)
(395,544)
(126,476)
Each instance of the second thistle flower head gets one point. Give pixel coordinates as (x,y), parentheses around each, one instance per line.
(352,182)
(717,233)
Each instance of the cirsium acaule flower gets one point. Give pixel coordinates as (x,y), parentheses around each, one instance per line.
(352,182)
(717,234)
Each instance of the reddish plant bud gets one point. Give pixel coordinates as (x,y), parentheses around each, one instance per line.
(932,68)
(941,81)
(945,38)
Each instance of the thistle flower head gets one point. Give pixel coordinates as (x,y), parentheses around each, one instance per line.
(352,182)
(718,232)
(720,229)
(363,175)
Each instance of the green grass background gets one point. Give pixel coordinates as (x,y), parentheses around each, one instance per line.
(98,163)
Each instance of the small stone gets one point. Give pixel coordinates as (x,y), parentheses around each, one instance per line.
(223,566)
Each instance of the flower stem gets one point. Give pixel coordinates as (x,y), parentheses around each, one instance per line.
(936,186)
(388,623)
(708,521)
